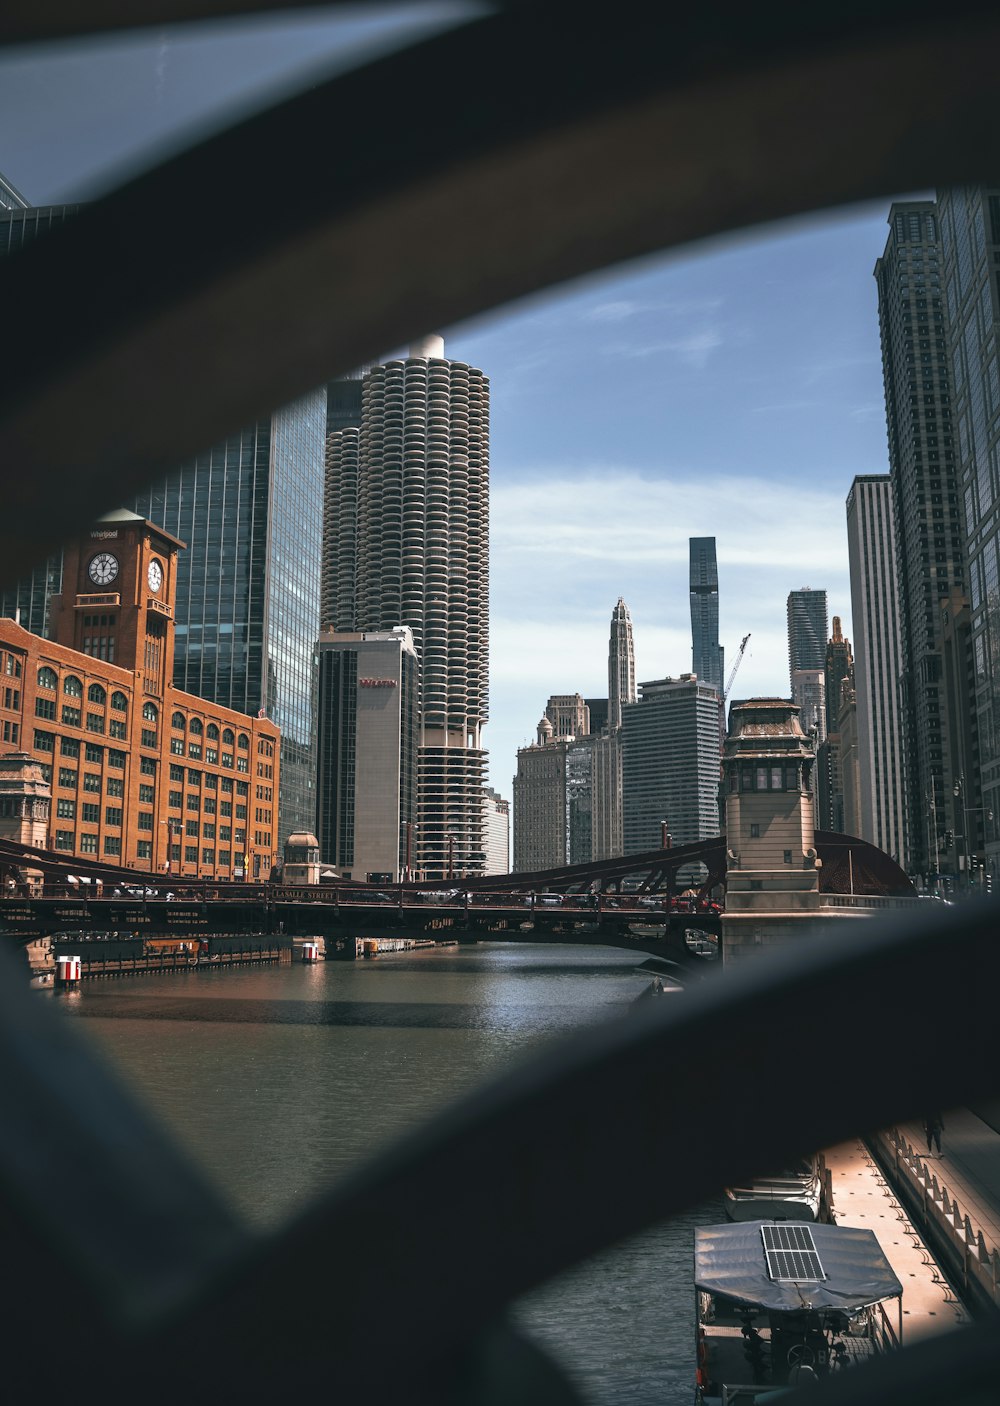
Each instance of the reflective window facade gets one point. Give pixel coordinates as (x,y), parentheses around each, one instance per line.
(250,511)
(707,657)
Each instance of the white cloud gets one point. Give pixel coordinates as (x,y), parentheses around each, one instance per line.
(566,545)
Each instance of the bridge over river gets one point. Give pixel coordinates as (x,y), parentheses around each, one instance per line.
(651,903)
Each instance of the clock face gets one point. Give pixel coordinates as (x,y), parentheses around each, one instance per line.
(154,575)
(103,569)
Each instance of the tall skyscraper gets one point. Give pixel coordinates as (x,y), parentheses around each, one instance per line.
(250,511)
(407,543)
(707,655)
(807,637)
(21,224)
(838,675)
(670,763)
(808,629)
(368,735)
(541,829)
(621,664)
(970,245)
(878,665)
(496,813)
(927,508)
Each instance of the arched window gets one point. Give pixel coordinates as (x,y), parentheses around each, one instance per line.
(97,694)
(177,722)
(72,687)
(195,727)
(244,742)
(228,737)
(149,712)
(212,732)
(119,702)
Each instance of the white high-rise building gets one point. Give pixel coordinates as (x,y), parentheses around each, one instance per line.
(407,535)
(878,663)
(496,822)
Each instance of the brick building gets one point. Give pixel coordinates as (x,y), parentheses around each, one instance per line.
(141,774)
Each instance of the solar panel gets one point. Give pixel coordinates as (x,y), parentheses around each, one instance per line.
(791,1253)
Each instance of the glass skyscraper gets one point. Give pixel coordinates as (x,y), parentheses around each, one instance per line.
(21,224)
(970,249)
(250,512)
(707,656)
(920,423)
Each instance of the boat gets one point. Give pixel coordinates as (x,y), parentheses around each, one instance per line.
(781,1304)
(794,1193)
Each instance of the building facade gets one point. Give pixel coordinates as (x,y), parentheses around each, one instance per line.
(540,839)
(496,824)
(707,655)
(20,225)
(927,505)
(878,666)
(970,250)
(368,736)
(250,510)
(808,630)
(407,543)
(142,774)
(670,764)
(621,664)
(838,674)
(569,715)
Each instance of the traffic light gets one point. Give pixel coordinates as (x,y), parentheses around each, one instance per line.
(989,883)
(949,839)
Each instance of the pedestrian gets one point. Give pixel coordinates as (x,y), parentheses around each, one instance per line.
(933,1127)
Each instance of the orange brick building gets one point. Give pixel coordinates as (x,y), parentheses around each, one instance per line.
(142,775)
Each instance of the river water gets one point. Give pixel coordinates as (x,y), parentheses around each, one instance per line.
(279,1079)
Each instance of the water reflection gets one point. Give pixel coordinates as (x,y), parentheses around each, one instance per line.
(279,1080)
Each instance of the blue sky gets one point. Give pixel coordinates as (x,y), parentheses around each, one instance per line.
(734,390)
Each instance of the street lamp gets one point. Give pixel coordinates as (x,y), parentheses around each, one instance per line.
(666,839)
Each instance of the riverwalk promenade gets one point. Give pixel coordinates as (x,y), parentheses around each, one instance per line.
(946,1205)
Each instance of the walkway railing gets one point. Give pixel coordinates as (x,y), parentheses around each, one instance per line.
(971,1258)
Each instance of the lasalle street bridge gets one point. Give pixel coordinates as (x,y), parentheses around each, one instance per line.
(668,903)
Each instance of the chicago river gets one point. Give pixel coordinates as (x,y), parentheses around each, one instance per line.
(278,1080)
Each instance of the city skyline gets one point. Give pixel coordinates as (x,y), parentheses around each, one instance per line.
(609,450)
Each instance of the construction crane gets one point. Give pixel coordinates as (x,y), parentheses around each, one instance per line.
(732,672)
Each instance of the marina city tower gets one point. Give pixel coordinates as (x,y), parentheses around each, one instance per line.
(406,543)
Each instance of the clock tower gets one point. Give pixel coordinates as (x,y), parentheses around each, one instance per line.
(117,602)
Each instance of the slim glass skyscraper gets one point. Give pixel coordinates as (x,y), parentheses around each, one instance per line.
(970,246)
(878,665)
(917,372)
(250,512)
(707,655)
